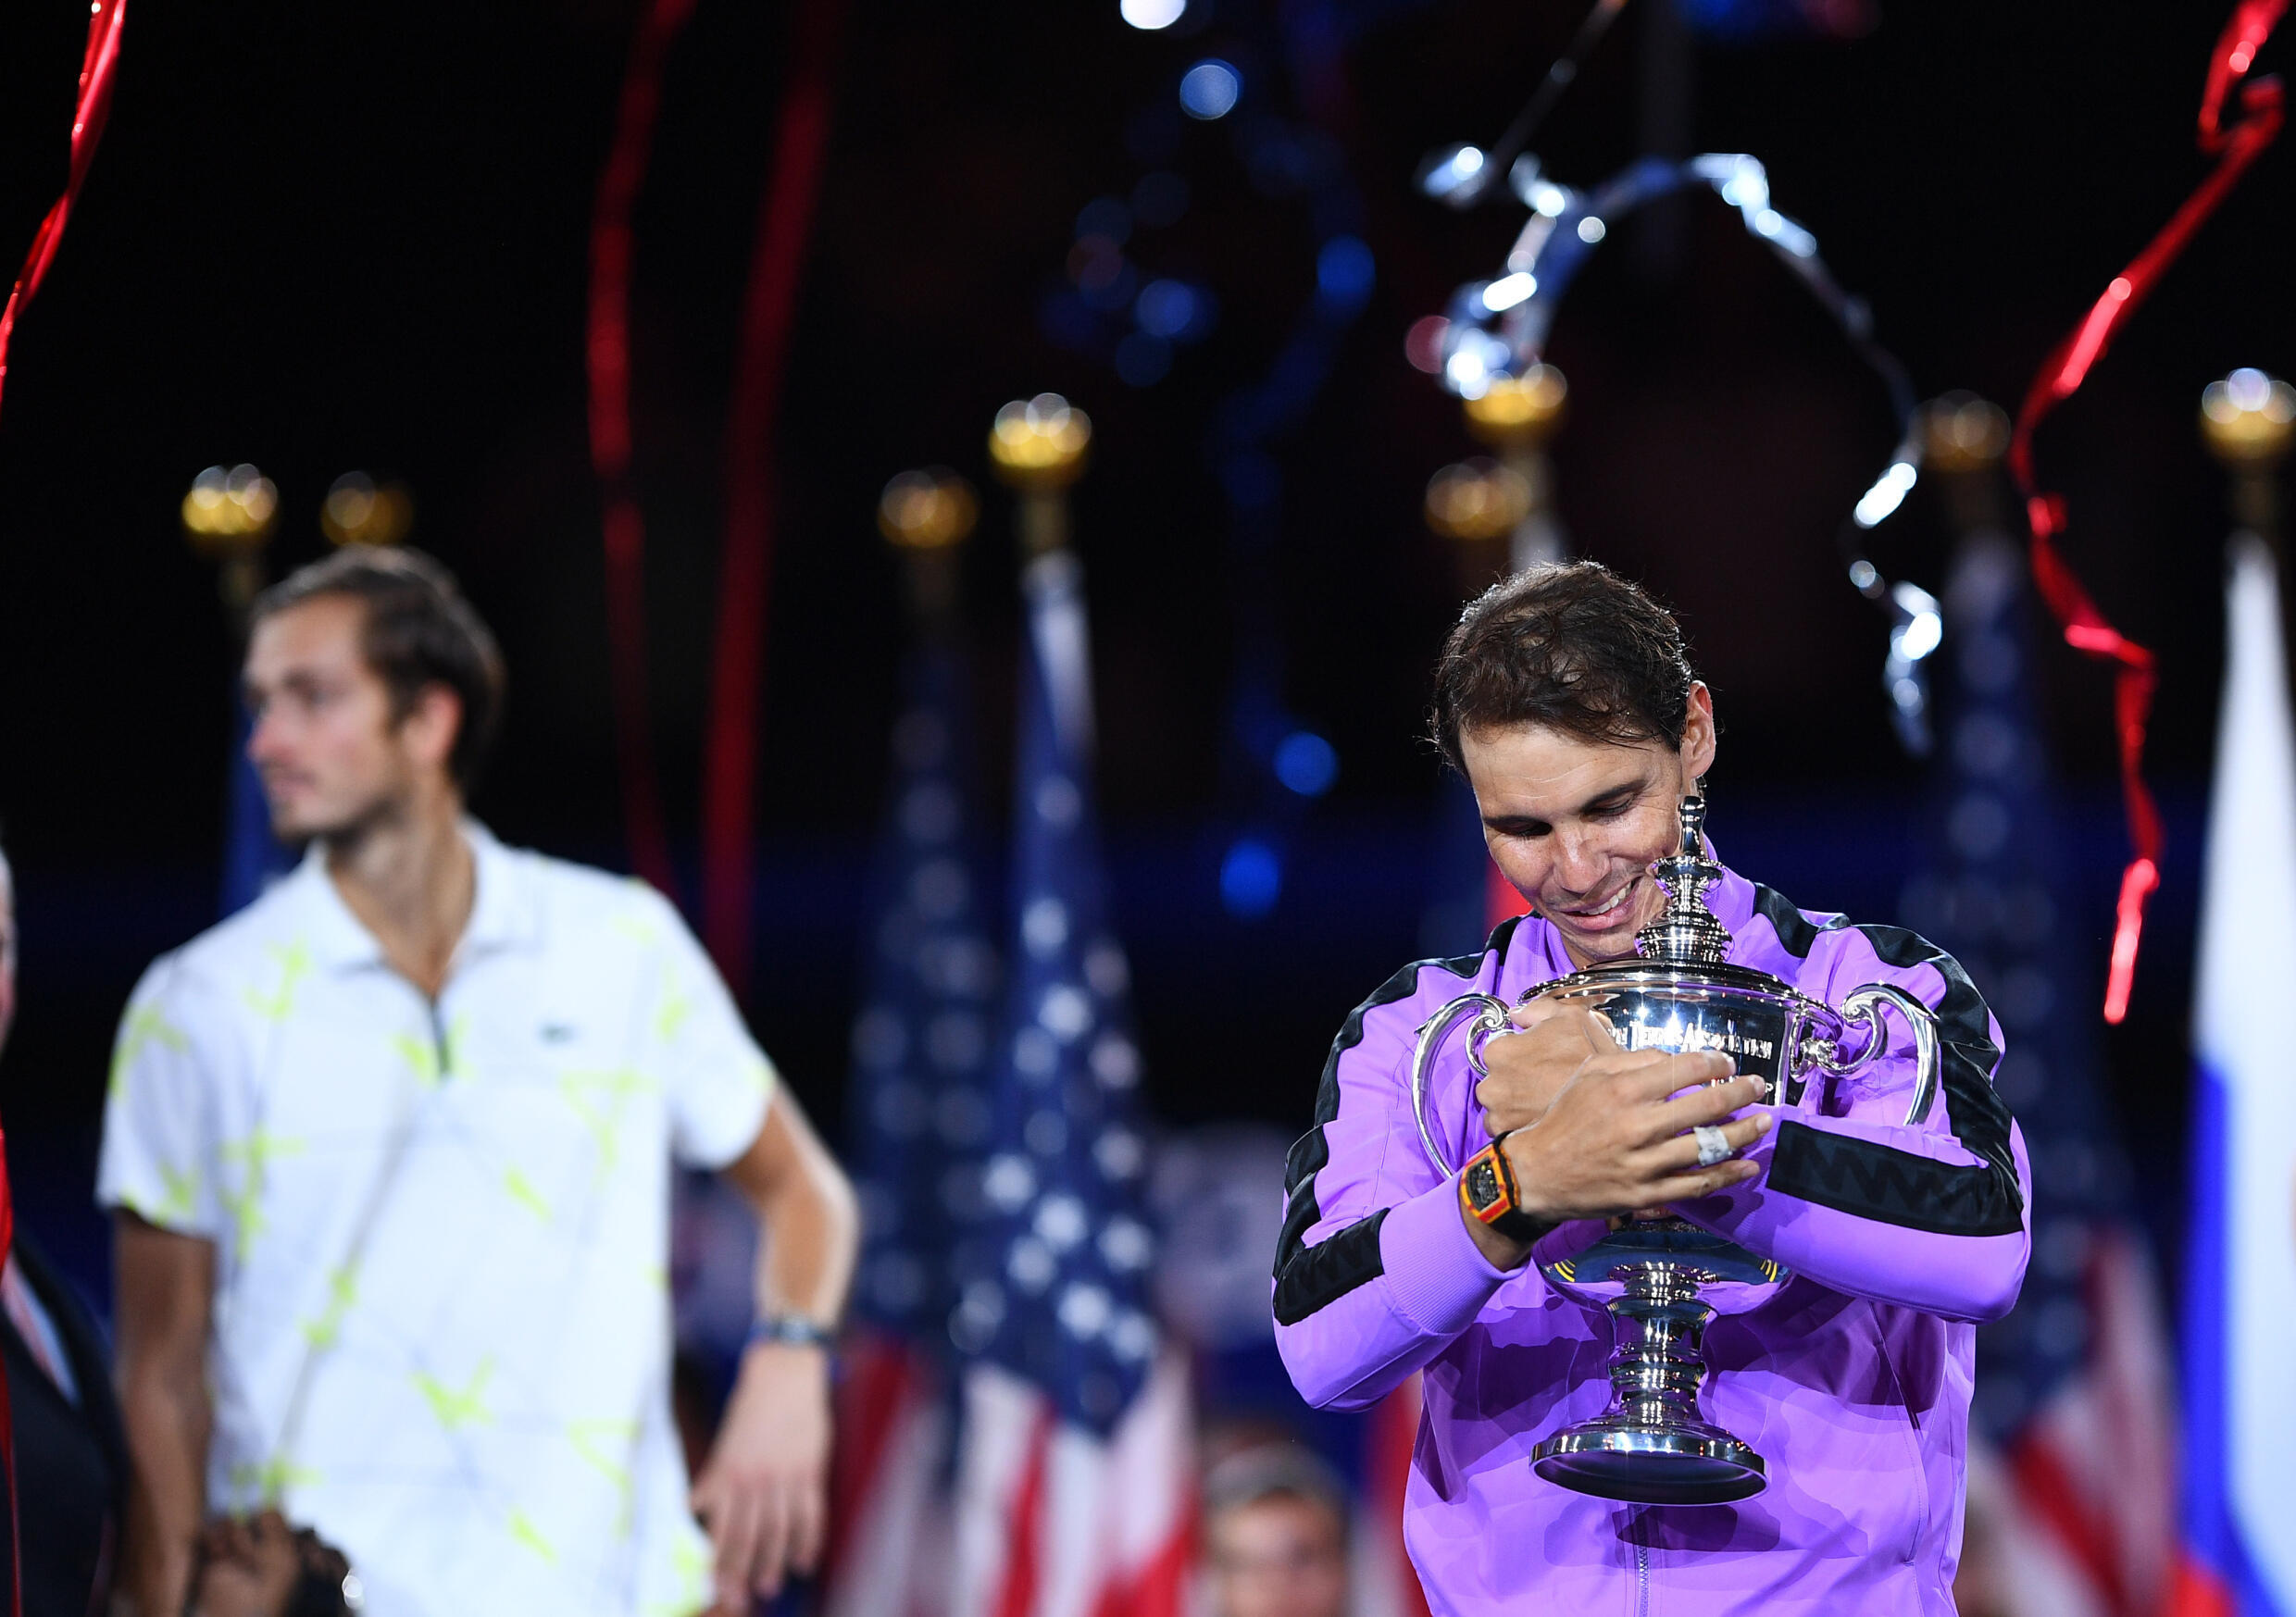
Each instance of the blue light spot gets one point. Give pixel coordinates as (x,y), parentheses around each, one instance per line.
(1210,88)
(1251,879)
(1108,283)
(1106,217)
(1142,359)
(1343,274)
(1167,308)
(1305,763)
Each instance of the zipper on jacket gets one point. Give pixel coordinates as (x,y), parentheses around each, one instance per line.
(438,1039)
(1641,1563)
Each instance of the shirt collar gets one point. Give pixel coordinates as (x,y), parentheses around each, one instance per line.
(502,913)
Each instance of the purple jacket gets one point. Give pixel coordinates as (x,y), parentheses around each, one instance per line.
(1853,1380)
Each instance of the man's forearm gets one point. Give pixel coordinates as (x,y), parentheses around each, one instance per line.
(168,1420)
(807,1247)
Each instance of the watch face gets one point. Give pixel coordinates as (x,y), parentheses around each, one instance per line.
(1485,1193)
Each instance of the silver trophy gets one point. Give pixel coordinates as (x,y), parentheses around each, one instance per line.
(1663,1279)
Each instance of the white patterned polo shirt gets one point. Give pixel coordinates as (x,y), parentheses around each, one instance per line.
(441,1328)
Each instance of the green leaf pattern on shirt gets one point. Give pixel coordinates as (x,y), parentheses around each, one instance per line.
(605,1445)
(421,1053)
(268,1483)
(523,1193)
(523,1531)
(457,1410)
(341,1294)
(295,964)
(144,1027)
(689,1560)
(253,1155)
(597,1098)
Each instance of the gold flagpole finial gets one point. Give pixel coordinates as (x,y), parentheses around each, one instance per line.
(1038,447)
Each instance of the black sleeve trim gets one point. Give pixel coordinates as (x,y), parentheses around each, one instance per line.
(1329,1270)
(1889,1185)
(1795,930)
(1900,1188)
(1310,1279)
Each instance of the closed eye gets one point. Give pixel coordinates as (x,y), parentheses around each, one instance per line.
(1518,826)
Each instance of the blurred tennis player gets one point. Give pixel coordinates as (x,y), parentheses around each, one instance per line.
(388,1152)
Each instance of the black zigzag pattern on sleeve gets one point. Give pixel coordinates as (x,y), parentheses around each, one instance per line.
(1795,930)
(1878,1182)
(1308,1279)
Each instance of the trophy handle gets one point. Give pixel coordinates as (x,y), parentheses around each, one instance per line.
(1864,1005)
(1490,1018)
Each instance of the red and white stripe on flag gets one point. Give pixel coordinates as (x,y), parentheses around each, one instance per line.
(1054,1521)
(890,1532)
(2077,1518)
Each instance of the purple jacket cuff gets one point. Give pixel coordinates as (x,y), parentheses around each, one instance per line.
(1437,1276)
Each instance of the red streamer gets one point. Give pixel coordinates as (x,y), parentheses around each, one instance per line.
(98,64)
(768,314)
(2086,629)
(612,247)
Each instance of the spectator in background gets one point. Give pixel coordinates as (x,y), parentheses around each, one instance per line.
(71,1463)
(1275,1532)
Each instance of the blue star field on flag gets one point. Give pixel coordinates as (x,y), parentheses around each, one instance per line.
(921,1043)
(1054,1279)
(1993,898)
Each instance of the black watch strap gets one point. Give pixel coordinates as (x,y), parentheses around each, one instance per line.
(1488,1192)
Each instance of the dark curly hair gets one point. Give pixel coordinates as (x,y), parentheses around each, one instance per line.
(1568,645)
(420,631)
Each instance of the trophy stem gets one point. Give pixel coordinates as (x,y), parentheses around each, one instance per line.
(1657,1330)
(1651,1446)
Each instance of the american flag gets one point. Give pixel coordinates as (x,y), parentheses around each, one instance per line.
(921,1104)
(1074,1494)
(2071,1491)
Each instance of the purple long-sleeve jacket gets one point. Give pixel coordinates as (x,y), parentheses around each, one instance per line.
(1852,1381)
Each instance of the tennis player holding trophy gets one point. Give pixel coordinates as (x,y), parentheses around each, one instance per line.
(1684,1200)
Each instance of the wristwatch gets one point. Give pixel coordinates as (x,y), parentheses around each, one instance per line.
(1488,1191)
(791,1330)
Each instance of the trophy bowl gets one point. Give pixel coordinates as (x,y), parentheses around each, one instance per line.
(1663,1279)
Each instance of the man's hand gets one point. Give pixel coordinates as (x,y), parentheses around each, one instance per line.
(1528,1069)
(248,1567)
(1617,1139)
(764,1494)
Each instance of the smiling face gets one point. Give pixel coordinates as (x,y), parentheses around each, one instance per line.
(1575,824)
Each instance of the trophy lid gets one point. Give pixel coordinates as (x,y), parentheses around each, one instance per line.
(1687,932)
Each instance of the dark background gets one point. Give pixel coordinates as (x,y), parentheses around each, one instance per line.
(320,239)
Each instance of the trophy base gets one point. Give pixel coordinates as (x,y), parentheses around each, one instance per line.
(1651,1447)
(1678,1463)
